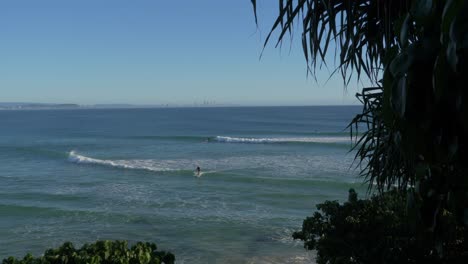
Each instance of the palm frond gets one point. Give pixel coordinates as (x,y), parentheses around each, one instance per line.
(360,29)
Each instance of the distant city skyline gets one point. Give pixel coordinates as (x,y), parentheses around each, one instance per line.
(154,52)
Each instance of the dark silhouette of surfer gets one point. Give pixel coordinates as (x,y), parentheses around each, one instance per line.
(198,170)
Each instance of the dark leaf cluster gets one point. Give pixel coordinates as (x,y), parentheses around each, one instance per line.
(101,252)
(377,230)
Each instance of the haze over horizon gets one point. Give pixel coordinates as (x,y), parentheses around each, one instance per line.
(153,52)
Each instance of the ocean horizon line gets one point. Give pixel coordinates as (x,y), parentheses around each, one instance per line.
(74,106)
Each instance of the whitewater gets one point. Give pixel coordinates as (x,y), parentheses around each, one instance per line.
(345,139)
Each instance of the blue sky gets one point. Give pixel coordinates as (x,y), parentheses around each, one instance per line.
(153,52)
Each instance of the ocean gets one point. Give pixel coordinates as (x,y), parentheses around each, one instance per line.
(88,174)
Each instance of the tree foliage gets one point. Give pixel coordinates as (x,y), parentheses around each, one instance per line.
(101,252)
(415,53)
(377,230)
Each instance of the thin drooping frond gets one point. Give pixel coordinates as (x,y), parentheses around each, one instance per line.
(362,30)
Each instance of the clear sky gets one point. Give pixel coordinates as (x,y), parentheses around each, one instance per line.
(152,52)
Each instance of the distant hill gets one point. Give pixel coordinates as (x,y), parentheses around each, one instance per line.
(32,106)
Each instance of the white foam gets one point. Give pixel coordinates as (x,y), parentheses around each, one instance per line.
(201,173)
(283,140)
(124,164)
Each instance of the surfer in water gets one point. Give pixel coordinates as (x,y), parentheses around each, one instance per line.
(198,170)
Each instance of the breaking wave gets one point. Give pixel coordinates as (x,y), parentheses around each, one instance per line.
(283,140)
(123,164)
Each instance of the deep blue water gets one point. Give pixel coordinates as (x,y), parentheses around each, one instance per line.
(83,175)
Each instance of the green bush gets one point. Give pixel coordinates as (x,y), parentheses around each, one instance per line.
(377,230)
(105,252)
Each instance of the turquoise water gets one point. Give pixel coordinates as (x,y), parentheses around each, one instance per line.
(83,175)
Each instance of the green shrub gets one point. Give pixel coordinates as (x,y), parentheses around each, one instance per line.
(378,230)
(105,252)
